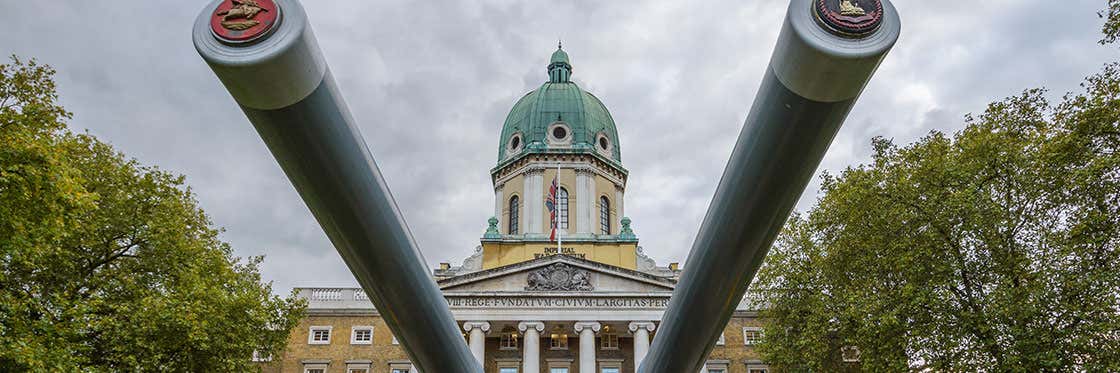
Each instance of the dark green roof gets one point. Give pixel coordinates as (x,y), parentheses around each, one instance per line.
(559,100)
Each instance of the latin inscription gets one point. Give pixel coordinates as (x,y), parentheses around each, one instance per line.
(550,251)
(558,302)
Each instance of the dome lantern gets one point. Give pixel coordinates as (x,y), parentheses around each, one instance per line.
(559,68)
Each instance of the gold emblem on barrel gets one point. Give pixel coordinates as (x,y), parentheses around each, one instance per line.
(849,8)
(240,17)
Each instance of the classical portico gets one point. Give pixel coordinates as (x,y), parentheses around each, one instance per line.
(558,312)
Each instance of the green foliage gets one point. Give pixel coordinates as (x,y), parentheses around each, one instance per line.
(1111,28)
(994,249)
(109,265)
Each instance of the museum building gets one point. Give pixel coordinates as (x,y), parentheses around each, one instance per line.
(524,303)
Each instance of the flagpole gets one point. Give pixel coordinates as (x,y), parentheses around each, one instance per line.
(559,231)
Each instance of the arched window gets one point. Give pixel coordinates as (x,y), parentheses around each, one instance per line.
(604,215)
(562,200)
(514,214)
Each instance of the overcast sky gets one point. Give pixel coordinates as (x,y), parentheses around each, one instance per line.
(430,83)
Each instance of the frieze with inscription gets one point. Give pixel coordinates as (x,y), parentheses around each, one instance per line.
(531,302)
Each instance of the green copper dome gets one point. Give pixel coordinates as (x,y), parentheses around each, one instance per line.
(559,117)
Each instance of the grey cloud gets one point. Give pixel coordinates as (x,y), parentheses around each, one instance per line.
(430,84)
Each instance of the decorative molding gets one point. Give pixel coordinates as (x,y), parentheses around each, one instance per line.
(525,325)
(559,277)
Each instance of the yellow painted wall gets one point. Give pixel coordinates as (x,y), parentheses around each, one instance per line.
(605,188)
(513,187)
(497,254)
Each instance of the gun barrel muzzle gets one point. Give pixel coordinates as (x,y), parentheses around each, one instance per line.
(826,53)
(266,55)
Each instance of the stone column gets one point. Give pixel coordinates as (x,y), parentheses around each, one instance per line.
(641,330)
(534,200)
(587,330)
(532,345)
(478,330)
(499,205)
(585,195)
(618,206)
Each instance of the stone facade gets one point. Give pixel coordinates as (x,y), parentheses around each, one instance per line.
(603,322)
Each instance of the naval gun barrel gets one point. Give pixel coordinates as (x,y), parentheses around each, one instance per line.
(826,53)
(266,55)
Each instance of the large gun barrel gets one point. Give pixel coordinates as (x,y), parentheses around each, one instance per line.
(266,55)
(826,53)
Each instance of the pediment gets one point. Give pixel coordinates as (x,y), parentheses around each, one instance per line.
(557,273)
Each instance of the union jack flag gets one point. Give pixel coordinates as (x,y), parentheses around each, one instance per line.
(551,203)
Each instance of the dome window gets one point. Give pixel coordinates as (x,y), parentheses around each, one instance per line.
(559,134)
(515,142)
(603,144)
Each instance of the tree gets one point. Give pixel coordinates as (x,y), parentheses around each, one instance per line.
(996,248)
(109,265)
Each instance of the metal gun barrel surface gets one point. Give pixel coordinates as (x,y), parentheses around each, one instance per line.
(283,85)
(815,76)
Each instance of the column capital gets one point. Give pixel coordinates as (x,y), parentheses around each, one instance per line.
(484,326)
(647,325)
(594,326)
(525,325)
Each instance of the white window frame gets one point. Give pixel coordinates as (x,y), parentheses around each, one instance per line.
(609,364)
(354,334)
(361,367)
(551,364)
(311,334)
(308,367)
(399,366)
(603,341)
(722,340)
(514,364)
(748,342)
(395,341)
(507,337)
(553,338)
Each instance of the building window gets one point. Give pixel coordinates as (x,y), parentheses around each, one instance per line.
(562,200)
(357,368)
(361,335)
(507,370)
(752,335)
(399,366)
(604,215)
(721,341)
(514,214)
(395,341)
(608,341)
(850,354)
(320,335)
(558,370)
(610,365)
(758,370)
(258,357)
(315,368)
(559,339)
(509,339)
